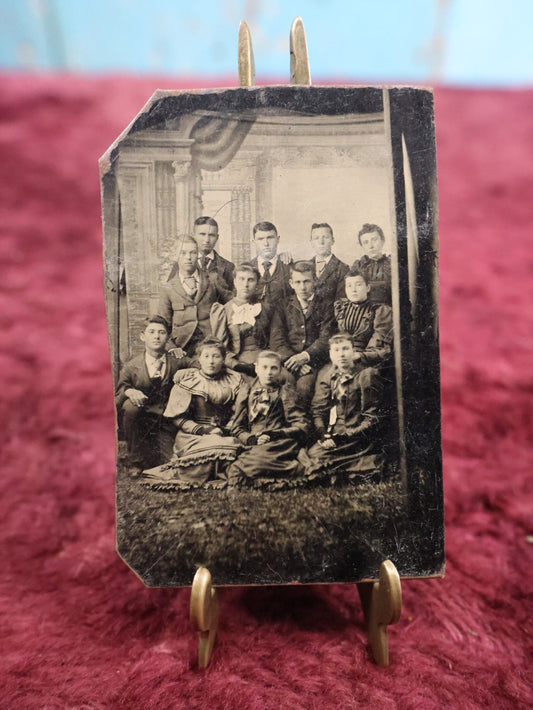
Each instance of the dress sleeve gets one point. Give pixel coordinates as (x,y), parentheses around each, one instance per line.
(380,344)
(179,401)
(321,402)
(238,424)
(298,423)
(219,323)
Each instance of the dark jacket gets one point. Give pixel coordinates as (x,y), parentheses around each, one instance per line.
(271,291)
(224,268)
(291,332)
(356,398)
(134,375)
(186,314)
(285,418)
(330,284)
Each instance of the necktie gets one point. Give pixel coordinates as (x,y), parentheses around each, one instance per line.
(157,368)
(204,262)
(190,284)
(320,267)
(266,266)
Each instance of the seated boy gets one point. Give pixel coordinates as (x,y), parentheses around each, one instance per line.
(346,410)
(141,395)
(271,422)
(301,327)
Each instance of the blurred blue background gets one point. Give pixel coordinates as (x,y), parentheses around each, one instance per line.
(469,42)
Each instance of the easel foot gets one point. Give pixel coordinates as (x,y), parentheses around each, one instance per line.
(382,606)
(204,610)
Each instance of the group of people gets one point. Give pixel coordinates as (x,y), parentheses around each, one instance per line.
(274,368)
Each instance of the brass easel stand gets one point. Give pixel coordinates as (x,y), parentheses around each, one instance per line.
(382,600)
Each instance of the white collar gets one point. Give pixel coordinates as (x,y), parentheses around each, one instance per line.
(151,359)
(323,261)
(273,261)
(210,256)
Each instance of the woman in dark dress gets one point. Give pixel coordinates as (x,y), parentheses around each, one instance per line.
(369,323)
(200,405)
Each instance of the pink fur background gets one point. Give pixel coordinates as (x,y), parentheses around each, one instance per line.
(78,629)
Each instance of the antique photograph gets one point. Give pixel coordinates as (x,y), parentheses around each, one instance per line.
(271,281)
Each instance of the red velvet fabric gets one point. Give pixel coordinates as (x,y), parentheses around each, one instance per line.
(78,628)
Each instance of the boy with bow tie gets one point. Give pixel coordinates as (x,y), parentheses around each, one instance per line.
(271,422)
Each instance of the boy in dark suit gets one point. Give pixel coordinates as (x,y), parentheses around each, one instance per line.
(329,270)
(271,422)
(185,301)
(301,328)
(141,395)
(206,235)
(274,275)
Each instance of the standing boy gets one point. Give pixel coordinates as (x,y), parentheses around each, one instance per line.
(329,270)
(271,421)
(141,395)
(273,285)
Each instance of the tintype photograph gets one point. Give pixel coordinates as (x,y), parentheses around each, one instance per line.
(271,282)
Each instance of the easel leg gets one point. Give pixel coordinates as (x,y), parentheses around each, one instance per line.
(204,610)
(382,606)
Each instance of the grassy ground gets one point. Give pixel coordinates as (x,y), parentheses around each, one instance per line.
(323,533)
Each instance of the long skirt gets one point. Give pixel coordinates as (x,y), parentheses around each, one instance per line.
(354,457)
(275,459)
(197,458)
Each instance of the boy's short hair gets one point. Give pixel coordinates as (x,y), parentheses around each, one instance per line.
(264,227)
(269,354)
(368,229)
(303,267)
(157,319)
(211,342)
(249,269)
(341,337)
(356,272)
(206,220)
(322,225)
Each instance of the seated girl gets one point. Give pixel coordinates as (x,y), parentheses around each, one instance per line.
(241,324)
(271,422)
(200,405)
(369,323)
